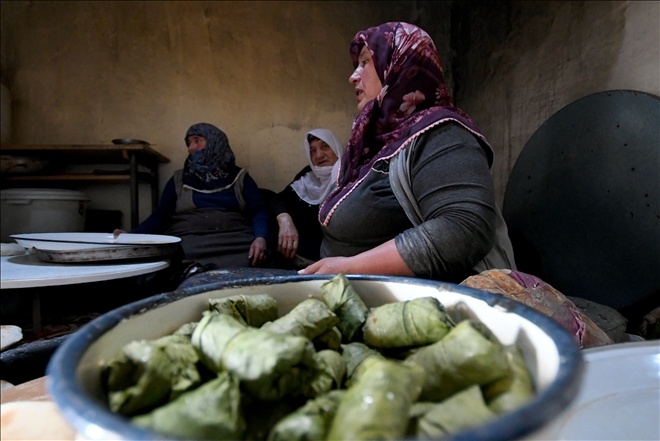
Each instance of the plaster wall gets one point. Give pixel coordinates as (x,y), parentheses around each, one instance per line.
(264,72)
(553,54)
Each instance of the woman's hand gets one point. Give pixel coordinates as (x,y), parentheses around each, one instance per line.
(384,259)
(117,232)
(287,239)
(329,265)
(257,253)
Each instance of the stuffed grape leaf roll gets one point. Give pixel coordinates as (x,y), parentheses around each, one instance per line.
(513,390)
(186,330)
(146,374)
(332,369)
(269,365)
(310,422)
(354,354)
(411,323)
(461,411)
(253,309)
(464,357)
(212,411)
(310,318)
(341,298)
(330,339)
(377,405)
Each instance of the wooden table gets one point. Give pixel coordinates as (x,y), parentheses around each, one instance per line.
(132,154)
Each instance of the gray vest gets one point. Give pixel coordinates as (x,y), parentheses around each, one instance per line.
(499,257)
(184,194)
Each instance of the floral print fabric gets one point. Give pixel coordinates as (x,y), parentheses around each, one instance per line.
(413,99)
(537,294)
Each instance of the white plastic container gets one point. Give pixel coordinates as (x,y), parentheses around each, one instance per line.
(41,210)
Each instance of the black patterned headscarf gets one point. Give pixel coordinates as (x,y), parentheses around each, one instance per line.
(213,168)
(414,98)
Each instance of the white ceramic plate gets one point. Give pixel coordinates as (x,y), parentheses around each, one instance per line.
(619,398)
(79,241)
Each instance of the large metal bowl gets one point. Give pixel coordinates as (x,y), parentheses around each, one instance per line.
(551,355)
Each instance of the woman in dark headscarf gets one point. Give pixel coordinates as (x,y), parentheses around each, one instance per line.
(414,193)
(213,205)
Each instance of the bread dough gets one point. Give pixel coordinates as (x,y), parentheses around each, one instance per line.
(9,335)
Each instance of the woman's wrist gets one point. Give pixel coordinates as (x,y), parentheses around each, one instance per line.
(284,219)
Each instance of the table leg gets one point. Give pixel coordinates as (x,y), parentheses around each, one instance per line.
(135,212)
(154,187)
(36,313)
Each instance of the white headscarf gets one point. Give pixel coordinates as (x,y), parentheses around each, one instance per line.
(314,186)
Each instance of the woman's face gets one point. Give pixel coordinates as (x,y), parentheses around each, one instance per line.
(365,79)
(195,143)
(321,154)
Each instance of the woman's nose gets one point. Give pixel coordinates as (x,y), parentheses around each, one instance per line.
(354,78)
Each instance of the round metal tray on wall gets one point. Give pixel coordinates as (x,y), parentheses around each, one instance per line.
(583,198)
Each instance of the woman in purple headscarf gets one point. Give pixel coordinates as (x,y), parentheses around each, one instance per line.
(213,205)
(414,194)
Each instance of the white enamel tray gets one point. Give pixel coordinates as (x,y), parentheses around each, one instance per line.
(89,241)
(619,398)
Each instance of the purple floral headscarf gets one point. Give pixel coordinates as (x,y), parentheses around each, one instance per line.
(413,99)
(211,169)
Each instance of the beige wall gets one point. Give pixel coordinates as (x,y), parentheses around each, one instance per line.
(264,72)
(556,53)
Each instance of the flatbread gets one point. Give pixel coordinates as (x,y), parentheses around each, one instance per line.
(34,420)
(11,249)
(9,334)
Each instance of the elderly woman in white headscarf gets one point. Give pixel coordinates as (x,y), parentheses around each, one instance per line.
(296,208)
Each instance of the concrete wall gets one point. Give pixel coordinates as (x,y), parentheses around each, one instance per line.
(264,72)
(518,63)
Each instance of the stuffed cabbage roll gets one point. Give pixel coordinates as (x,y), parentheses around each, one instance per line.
(462,411)
(270,365)
(342,299)
(463,358)
(332,368)
(310,422)
(513,390)
(253,309)
(411,323)
(146,374)
(377,405)
(354,354)
(212,411)
(310,318)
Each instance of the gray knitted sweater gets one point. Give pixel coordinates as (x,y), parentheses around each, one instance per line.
(453,188)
